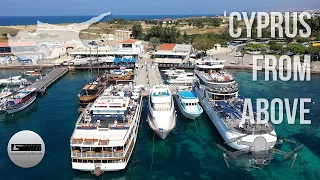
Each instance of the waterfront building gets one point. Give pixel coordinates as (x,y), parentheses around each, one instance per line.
(172,54)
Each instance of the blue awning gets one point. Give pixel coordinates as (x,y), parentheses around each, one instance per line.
(125,60)
(117,60)
(133,60)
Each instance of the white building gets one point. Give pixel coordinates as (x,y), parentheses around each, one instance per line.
(127,49)
(173,53)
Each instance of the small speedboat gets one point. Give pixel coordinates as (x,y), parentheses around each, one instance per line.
(188,102)
(14,81)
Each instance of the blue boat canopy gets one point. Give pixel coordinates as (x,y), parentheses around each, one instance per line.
(117,60)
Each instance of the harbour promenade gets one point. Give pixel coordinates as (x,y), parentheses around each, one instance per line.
(148,75)
(42,84)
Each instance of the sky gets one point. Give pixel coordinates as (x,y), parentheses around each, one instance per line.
(147,7)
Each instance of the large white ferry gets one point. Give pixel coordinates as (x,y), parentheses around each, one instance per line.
(106,131)
(217,91)
(162,116)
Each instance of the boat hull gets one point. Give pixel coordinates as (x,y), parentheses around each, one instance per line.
(224,131)
(11,111)
(162,133)
(188,115)
(113,166)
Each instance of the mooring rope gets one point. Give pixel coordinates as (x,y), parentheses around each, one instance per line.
(152,150)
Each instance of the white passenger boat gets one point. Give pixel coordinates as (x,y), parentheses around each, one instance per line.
(162,116)
(217,91)
(185,78)
(188,102)
(106,131)
(13,81)
(19,101)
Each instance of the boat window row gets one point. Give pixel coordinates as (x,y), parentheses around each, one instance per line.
(97,161)
(161,106)
(191,104)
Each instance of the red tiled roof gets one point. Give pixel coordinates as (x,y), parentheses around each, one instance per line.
(166,47)
(129,41)
(167,20)
(16,44)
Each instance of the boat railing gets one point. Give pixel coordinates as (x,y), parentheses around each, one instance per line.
(97,154)
(223,90)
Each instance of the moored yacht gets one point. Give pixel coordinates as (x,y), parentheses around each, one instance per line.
(106,131)
(184,78)
(14,81)
(188,102)
(5,92)
(89,93)
(162,116)
(19,101)
(36,72)
(217,91)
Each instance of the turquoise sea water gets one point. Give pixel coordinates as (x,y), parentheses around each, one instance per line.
(189,152)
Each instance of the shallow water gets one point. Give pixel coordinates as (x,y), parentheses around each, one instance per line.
(189,152)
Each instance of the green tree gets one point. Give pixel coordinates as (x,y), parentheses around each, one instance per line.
(302,40)
(297,48)
(137,30)
(185,37)
(154,42)
(203,44)
(275,46)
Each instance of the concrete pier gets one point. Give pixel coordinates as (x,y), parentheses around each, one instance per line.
(42,84)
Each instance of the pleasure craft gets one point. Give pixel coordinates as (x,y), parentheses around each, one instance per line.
(36,72)
(185,78)
(89,93)
(19,101)
(106,131)
(188,102)
(217,91)
(14,81)
(162,116)
(5,93)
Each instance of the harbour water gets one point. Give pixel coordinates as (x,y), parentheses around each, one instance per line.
(189,152)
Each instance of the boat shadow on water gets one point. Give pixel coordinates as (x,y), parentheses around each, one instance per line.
(17,116)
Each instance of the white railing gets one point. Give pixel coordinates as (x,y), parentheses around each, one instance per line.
(97,155)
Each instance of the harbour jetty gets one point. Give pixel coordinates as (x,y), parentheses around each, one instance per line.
(42,84)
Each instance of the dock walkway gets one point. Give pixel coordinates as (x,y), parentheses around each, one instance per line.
(149,75)
(42,84)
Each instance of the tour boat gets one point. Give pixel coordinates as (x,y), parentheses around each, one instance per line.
(188,102)
(120,74)
(217,92)
(36,72)
(90,92)
(19,101)
(106,131)
(162,116)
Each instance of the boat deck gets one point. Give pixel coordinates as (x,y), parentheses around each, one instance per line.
(187,94)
